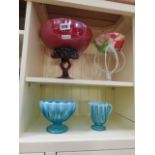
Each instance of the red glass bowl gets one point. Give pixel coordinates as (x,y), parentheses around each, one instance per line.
(67,37)
(65,32)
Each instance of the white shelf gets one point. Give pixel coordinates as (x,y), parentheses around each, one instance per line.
(43,80)
(119,134)
(97,5)
(21,32)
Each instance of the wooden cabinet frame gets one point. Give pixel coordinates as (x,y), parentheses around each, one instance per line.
(37,81)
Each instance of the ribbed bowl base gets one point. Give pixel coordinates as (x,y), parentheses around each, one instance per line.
(57,129)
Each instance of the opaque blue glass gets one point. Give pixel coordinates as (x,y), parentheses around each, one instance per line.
(57,111)
(100,112)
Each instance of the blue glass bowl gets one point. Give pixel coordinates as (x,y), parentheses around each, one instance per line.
(100,112)
(57,111)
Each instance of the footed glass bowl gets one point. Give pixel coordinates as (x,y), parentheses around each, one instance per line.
(100,112)
(67,38)
(57,111)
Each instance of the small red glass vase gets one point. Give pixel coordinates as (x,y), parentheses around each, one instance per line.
(67,38)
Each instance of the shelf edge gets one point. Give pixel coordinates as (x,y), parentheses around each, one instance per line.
(97,5)
(21,32)
(78,82)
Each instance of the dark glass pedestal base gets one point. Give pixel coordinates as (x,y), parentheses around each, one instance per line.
(65,54)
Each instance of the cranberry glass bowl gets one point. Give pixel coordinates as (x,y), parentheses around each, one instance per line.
(67,38)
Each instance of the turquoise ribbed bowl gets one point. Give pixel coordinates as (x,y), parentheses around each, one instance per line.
(57,111)
(100,112)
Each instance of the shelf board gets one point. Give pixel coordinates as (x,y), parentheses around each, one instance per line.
(124,1)
(21,35)
(43,80)
(119,134)
(97,5)
(21,32)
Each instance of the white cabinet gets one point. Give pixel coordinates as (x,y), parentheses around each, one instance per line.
(107,152)
(38,81)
